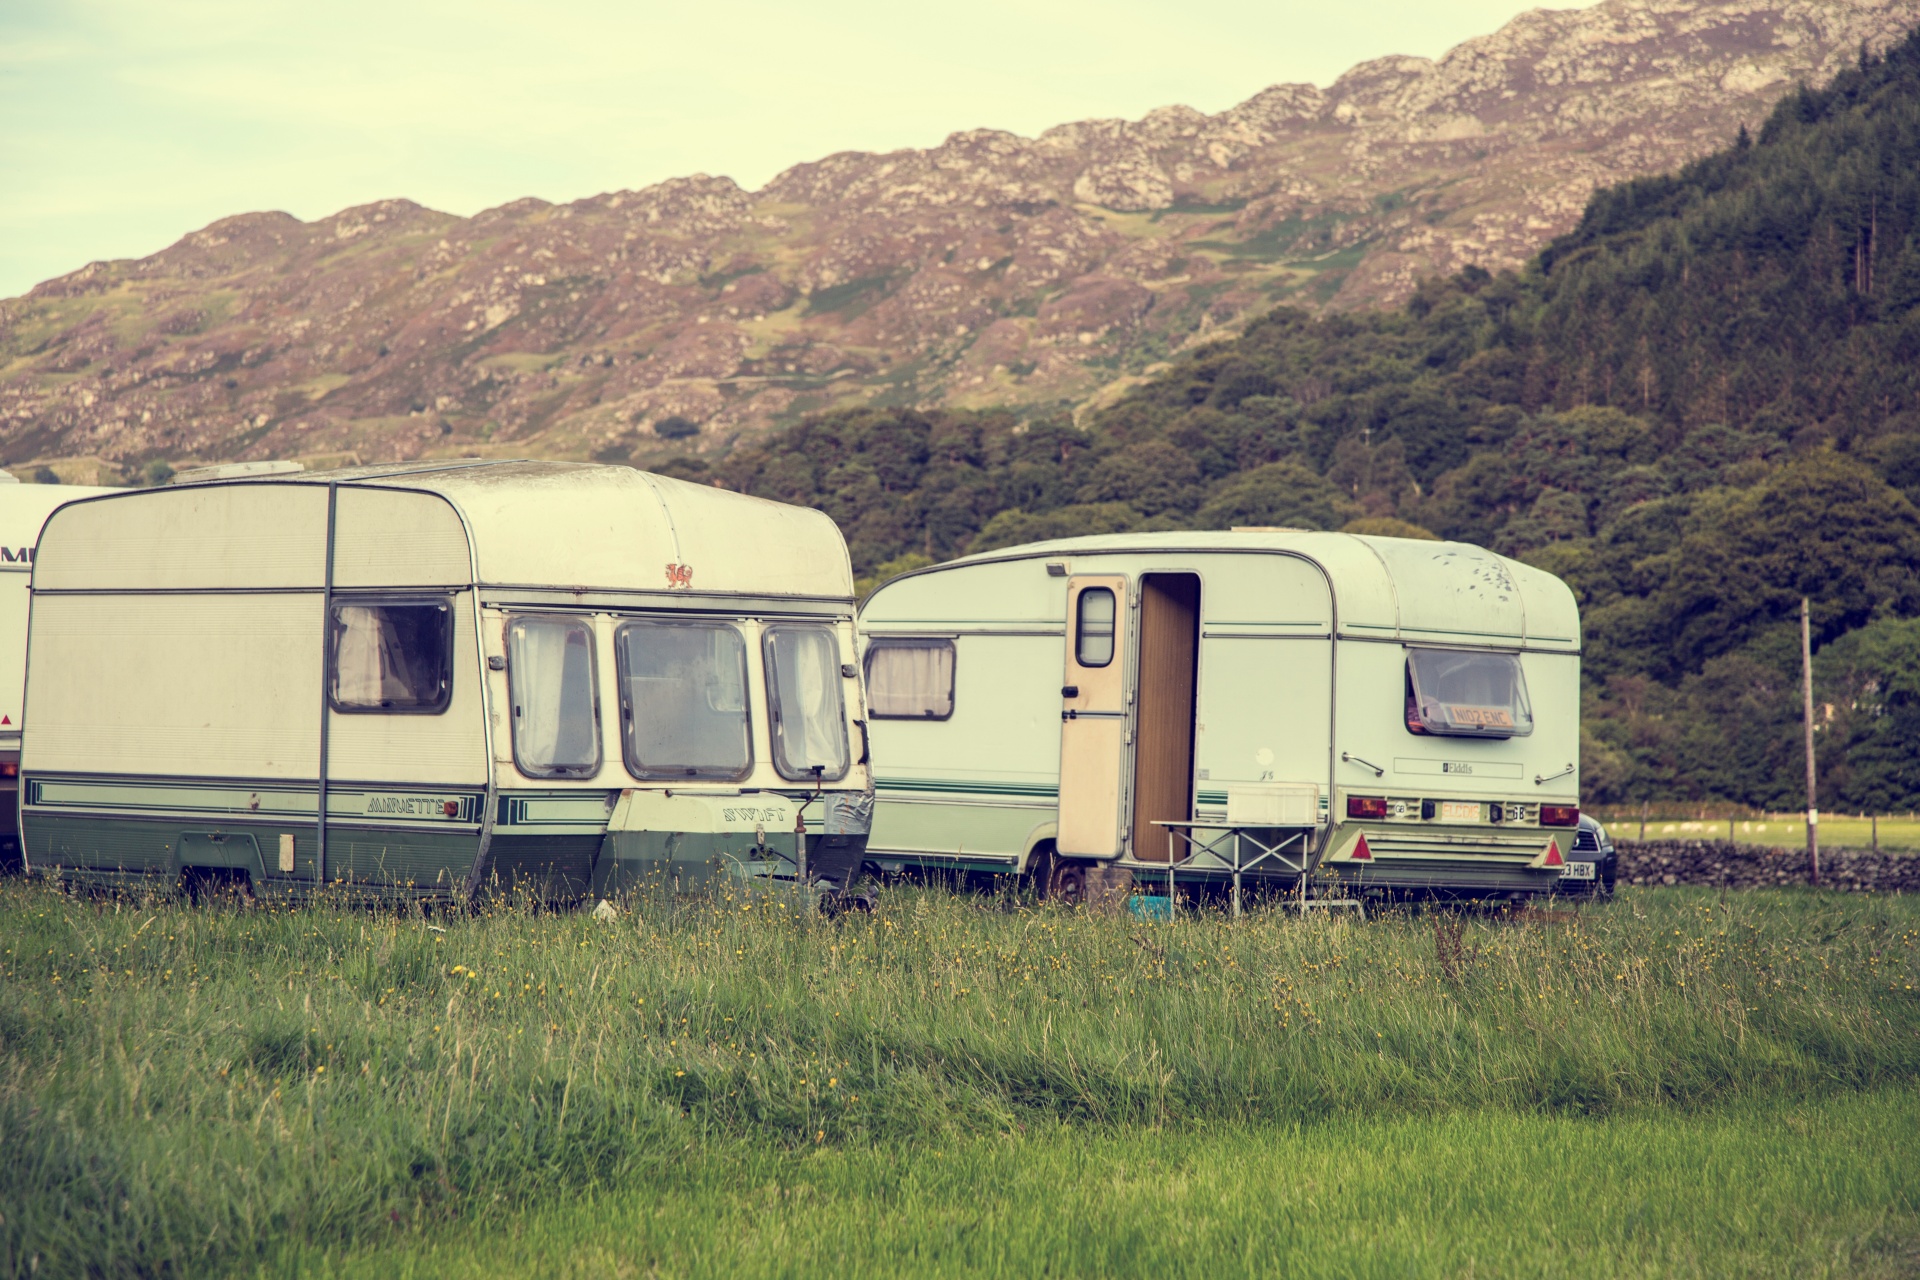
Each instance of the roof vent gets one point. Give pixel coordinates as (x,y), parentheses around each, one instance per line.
(235,471)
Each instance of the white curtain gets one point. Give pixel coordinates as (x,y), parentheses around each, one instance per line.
(369,667)
(555,724)
(807,681)
(911,680)
(539,661)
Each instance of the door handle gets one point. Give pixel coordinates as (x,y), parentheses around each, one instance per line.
(1069,690)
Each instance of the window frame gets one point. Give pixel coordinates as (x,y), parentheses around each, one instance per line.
(634,769)
(878,643)
(1080,626)
(769,673)
(363,600)
(577,773)
(1413,714)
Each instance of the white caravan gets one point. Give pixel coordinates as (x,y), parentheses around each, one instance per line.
(23,509)
(1389,714)
(419,680)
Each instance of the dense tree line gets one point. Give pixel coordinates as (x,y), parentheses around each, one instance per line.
(1697,407)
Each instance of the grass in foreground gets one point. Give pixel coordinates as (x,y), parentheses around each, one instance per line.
(192,1089)
(1813,1189)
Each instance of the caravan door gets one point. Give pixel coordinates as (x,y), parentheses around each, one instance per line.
(1093,718)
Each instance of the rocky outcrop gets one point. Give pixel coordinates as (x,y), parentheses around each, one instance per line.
(990,269)
(1719,864)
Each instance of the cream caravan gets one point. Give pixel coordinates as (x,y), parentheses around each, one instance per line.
(1394,715)
(421,680)
(23,509)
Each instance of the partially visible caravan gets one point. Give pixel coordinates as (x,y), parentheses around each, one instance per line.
(416,681)
(1386,714)
(24,508)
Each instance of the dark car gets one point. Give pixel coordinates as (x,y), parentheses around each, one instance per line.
(1591,863)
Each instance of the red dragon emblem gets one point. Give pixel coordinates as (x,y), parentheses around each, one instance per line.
(679,577)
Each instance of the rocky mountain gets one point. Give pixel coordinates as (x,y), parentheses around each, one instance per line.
(992,269)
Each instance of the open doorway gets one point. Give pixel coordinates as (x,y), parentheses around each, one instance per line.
(1168,683)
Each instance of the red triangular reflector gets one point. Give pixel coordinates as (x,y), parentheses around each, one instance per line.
(1361,853)
(6,719)
(1553,858)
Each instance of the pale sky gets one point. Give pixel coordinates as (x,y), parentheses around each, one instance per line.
(125,124)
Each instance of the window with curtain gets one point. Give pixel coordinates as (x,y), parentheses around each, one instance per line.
(910,679)
(1467,694)
(556,718)
(809,717)
(683,700)
(392,656)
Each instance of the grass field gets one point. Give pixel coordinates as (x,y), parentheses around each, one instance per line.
(1676,1083)
(1804,1189)
(1897,834)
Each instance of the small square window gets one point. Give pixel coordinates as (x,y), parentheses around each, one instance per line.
(910,679)
(393,656)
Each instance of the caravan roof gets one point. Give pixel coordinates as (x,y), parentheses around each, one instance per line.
(1398,588)
(577,526)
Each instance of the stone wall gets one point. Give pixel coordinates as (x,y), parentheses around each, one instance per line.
(1736,866)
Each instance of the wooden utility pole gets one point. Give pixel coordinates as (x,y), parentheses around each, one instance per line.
(1806,690)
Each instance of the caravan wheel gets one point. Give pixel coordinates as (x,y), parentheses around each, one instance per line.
(1068,883)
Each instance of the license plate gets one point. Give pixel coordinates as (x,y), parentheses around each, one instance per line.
(1577,871)
(1459,811)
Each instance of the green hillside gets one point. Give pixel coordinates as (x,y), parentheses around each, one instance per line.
(1700,405)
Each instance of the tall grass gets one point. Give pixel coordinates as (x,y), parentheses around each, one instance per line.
(185,1087)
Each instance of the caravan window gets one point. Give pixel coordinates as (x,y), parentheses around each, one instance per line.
(809,717)
(910,679)
(1093,628)
(683,700)
(1465,693)
(391,656)
(556,717)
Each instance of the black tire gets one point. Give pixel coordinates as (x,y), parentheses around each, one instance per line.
(1068,883)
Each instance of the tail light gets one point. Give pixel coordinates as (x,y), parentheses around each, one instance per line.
(1366,806)
(1559,815)
(9,768)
